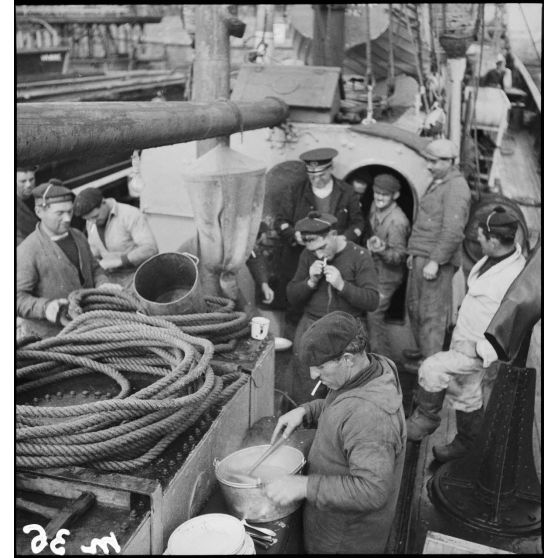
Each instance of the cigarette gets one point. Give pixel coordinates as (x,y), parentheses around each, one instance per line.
(316,388)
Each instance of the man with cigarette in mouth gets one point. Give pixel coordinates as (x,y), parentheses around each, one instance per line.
(356,459)
(333,273)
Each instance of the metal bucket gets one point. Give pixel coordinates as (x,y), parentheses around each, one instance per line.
(168,283)
(248,501)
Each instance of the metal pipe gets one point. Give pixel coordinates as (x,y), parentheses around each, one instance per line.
(49,132)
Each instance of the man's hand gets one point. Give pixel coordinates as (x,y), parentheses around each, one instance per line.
(486,351)
(287,489)
(375,244)
(410,261)
(333,277)
(430,270)
(110,261)
(110,287)
(289,422)
(267,293)
(316,270)
(54,309)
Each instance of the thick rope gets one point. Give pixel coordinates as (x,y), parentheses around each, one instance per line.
(132,428)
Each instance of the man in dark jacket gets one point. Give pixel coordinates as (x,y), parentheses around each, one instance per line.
(435,249)
(333,273)
(356,460)
(26,220)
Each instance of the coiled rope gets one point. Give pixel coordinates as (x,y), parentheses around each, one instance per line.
(130,430)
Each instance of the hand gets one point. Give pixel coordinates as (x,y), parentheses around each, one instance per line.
(333,277)
(430,270)
(287,489)
(267,293)
(410,262)
(54,309)
(289,422)
(486,351)
(110,261)
(375,244)
(110,287)
(316,270)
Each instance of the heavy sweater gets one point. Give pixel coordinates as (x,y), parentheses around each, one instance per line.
(438,230)
(355,463)
(358,296)
(26,220)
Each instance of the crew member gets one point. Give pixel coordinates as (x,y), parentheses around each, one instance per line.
(387,230)
(118,233)
(333,273)
(52,261)
(356,459)
(435,249)
(458,373)
(26,220)
(500,77)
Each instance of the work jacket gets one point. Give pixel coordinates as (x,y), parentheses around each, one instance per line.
(438,230)
(355,463)
(45,273)
(26,220)
(483,298)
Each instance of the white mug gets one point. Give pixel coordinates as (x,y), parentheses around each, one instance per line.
(260,327)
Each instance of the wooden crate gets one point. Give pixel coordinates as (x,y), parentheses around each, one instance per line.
(438,543)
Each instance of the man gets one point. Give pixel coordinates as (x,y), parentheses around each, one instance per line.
(356,458)
(321,192)
(333,273)
(458,373)
(387,230)
(435,249)
(118,234)
(500,76)
(26,220)
(52,261)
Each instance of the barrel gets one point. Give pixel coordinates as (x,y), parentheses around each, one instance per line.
(168,284)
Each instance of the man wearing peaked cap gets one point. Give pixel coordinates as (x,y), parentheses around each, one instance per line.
(457,374)
(119,234)
(434,249)
(321,192)
(52,261)
(333,273)
(356,460)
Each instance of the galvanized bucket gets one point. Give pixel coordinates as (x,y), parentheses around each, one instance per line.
(168,284)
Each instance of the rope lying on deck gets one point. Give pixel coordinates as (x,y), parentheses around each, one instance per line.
(220,324)
(132,429)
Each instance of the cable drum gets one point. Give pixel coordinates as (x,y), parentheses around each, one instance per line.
(164,379)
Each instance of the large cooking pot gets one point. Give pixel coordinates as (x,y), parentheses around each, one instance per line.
(248,501)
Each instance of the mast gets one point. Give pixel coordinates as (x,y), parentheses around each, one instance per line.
(328,44)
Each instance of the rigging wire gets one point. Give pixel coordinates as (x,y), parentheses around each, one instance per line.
(476,91)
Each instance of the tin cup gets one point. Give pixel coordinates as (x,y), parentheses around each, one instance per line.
(260,327)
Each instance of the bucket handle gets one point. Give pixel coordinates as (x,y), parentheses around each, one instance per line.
(195,258)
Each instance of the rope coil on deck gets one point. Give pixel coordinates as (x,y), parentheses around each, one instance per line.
(133,428)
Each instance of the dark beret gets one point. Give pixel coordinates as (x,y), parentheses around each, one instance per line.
(52,191)
(316,223)
(317,160)
(387,183)
(87,200)
(327,338)
(501,221)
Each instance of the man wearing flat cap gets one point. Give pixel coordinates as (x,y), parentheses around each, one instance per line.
(118,233)
(52,261)
(435,249)
(356,459)
(333,273)
(387,230)
(457,374)
(26,220)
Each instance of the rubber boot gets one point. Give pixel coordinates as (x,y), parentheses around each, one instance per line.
(425,418)
(468,429)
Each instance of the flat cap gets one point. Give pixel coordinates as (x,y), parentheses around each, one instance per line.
(327,338)
(317,160)
(501,221)
(386,183)
(87,200)
(441,149)
(316,223)
(52,191)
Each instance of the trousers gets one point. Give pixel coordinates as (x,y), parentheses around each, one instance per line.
(429,305)
(377,333)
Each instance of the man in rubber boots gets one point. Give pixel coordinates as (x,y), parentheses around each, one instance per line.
(357,455)
(332,274)
(53,261)
(434,249)
(457,374)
